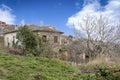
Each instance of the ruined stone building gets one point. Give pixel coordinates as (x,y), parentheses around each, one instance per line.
(5,28)
(46,33)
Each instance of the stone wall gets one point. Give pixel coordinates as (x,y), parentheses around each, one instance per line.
(1,43)
(50,37)
(9,38)
(5,27)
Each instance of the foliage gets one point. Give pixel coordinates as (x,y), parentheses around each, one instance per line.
(38,51)
(29,42)
(14,67)
(102,73)
(26,38)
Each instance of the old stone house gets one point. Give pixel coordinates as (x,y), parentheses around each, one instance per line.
(46,33)
(67,39)
(5,28)
(49,34)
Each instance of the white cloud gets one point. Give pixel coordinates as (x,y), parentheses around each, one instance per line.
(93,7)
(6,14)
(22,22)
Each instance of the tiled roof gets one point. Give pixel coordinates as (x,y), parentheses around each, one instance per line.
(35,28)
(5,27)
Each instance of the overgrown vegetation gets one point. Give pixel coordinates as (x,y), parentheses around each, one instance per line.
(95,35)
(102,73)
(14,67)
(26,38)
(28,42)
(99,40)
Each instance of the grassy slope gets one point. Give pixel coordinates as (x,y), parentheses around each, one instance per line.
(26,68)
(14,67)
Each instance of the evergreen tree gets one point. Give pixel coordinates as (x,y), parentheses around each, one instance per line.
(27,38)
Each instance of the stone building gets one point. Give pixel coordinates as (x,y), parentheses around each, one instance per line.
(5,28)
(66,40)
(46,33)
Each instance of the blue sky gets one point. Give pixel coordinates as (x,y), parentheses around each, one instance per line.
(57,13)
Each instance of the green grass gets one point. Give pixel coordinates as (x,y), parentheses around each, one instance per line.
(14,67)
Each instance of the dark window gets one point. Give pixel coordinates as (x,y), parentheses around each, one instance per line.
(13,37)
(8,44)
(44,38)
(55,39)
(13,42)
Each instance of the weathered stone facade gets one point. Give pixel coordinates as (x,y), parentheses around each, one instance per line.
(46,33)
(5,28)
(66,40)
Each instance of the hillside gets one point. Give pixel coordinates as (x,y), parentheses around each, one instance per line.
(14,67)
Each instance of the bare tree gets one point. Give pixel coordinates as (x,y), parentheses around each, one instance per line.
(99,34)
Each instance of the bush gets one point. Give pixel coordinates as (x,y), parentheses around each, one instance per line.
(30,43)
(103,74)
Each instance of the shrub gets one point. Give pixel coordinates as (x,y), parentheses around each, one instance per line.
(30,43)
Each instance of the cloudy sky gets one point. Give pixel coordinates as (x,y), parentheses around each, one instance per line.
(59,13)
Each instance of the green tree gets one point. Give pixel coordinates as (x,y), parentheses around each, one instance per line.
(26,38)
